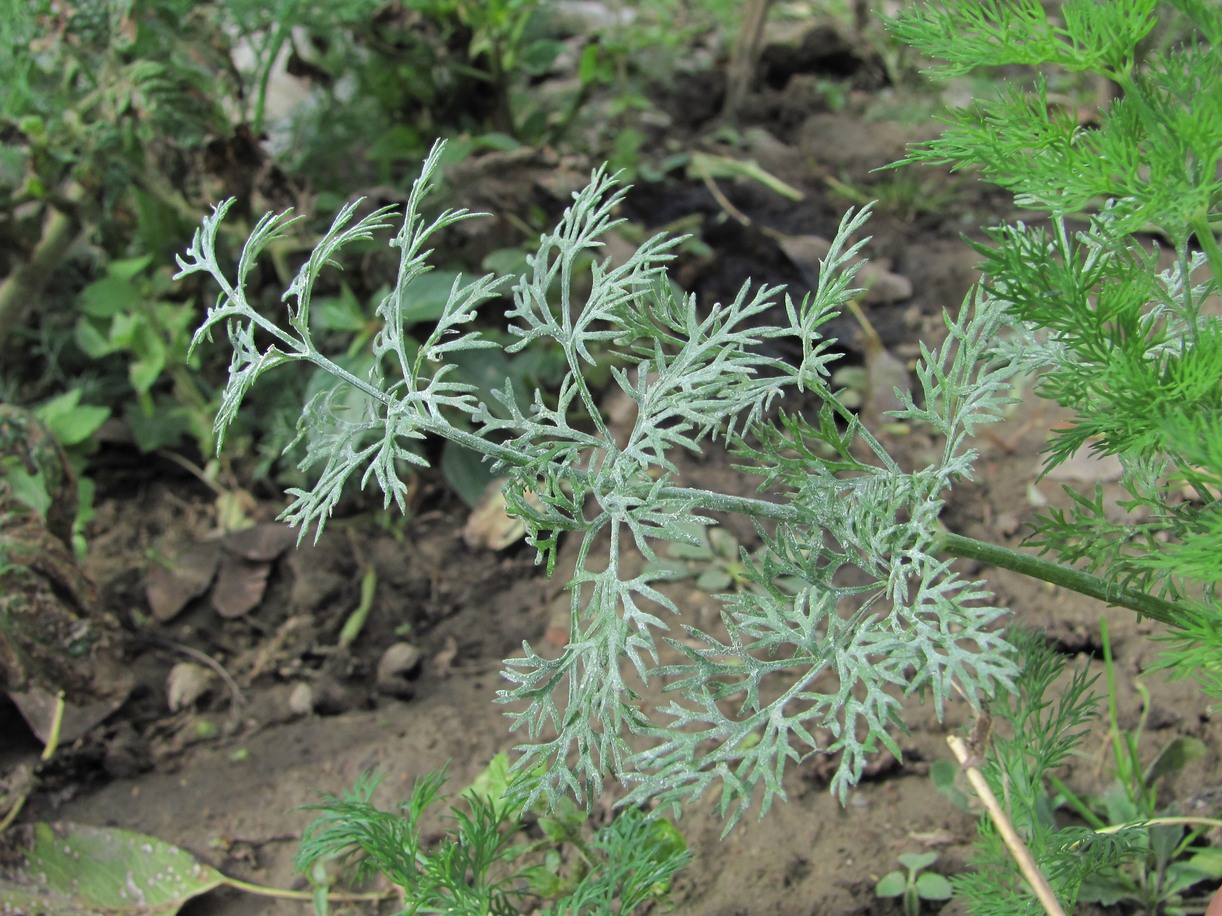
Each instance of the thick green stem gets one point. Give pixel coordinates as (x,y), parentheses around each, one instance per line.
(1082,582)
(958,545)
(737,505)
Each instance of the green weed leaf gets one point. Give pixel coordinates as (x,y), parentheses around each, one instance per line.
(892,884)
(67,869)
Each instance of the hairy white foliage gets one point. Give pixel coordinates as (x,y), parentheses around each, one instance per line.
(876,616)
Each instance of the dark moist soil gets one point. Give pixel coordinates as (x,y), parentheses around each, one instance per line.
(225,776)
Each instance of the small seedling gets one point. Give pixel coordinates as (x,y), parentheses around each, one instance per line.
(914,884)
(1167,855)
(487,862)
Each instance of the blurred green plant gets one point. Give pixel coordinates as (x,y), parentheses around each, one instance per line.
(914,883)
(902,195)
(102,102)
(272,31)
(486,862)
(124,315)
(1169,852)
(1134,850)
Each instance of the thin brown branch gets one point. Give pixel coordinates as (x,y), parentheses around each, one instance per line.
(1018,849)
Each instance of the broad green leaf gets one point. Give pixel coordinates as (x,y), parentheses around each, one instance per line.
(143,374)
(1181,875)
(539,56)
(1106,889)
(427,296)
(128,267)
(166,426)
(64,869)
(487,370)
(341,313)
(681,551)
(91,340)
(492,785)
(932,886)
(467,473)
(666,838)
(891,884)
(714,579)
(944,776)
(915,861)
(505,262)
(589,67)
(70,421)
(1208,861)
(107,297)
(124,329)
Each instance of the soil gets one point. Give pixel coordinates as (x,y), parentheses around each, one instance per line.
(225,775)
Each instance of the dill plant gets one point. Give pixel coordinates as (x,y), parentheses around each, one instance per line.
(872,609)
(1128,346)
(1112,290)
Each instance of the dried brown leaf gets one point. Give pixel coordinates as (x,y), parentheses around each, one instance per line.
(240,585)
(170,588)
(262,543)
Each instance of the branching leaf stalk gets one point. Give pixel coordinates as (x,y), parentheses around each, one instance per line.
(879,612)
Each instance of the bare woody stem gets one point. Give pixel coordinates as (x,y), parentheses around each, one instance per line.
(22,289)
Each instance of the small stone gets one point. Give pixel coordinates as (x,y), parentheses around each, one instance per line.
(185,684)
(399,666)
(301,699)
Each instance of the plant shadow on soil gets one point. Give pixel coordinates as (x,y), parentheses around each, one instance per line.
(226,780)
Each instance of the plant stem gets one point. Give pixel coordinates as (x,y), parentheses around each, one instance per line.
(1074,579)
(284,894)
(1210,822)
(958,545)
(1018,849)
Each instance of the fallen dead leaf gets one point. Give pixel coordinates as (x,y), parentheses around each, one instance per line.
(490,525)
(240,585)
(262,543)
(172,584)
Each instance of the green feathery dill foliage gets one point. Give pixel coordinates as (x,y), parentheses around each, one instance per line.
(1114,315)
(1112,285)
(480,865)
